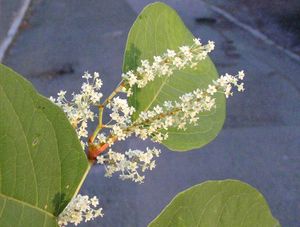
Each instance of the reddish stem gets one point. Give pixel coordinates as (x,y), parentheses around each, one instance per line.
(95,150)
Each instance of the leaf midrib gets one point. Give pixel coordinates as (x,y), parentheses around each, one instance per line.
(166,78)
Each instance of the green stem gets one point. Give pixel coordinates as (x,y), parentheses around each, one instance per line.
(113,94)
(100,125)
(101,108)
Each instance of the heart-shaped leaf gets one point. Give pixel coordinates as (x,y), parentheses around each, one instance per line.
(225,203)
(157,29)
(41,160)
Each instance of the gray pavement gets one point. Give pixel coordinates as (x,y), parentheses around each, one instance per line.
(259,143)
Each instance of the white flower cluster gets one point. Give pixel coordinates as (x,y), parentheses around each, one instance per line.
(121,115)
(165,65)
(81,208)
(129,163)
(152,124)
(78,110)
(179,114)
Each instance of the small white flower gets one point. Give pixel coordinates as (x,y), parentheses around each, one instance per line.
(52,99)
(95,201)
(210,45)
(171,53)
(61,93)
(197,42)
(86,75)
(211,89)
(158,59)
(96,75)
(168,105)
(184,49)
(228,91)
(178,62)
(158,109)
(240,87)
(145,63)
(241,75)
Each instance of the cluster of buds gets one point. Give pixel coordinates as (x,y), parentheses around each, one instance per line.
(178,114)
(120,116)
(165,65)
(129,163)
(78,110)
(81,208)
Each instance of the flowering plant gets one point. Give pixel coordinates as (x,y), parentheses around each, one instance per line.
(169,92)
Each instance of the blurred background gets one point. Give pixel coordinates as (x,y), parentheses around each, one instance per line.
(52,42)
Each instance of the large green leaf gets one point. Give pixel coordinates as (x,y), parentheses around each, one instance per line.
(157,29)
(227,203)
(41,160)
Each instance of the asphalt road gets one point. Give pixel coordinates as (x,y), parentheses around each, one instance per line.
(259,144)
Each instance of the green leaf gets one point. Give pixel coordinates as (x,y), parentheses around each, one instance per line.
(157,29)
(217,203)
(41,160)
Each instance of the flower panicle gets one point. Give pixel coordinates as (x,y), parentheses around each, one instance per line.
(152,123)
(78,110)
(179,114)
(166,64)
(129,164)
(81,208)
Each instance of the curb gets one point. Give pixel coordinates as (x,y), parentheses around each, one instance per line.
(253,31)
(13,29)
